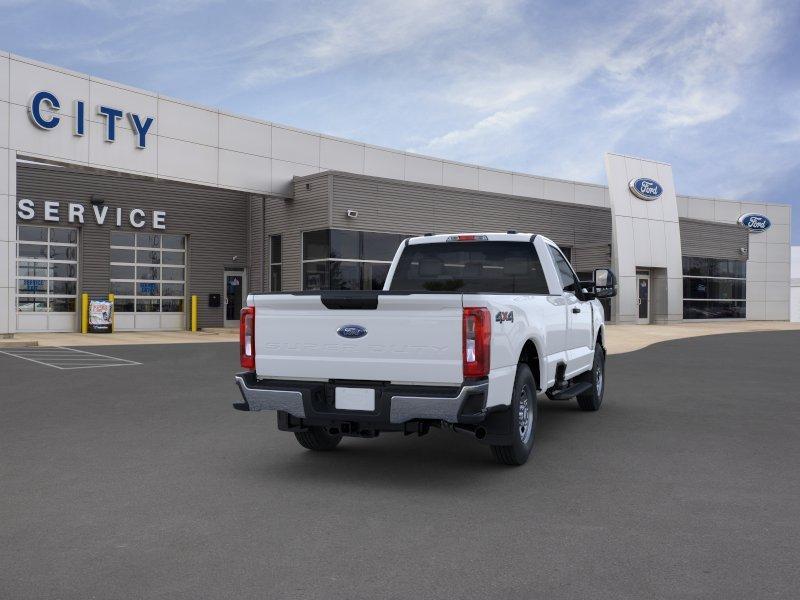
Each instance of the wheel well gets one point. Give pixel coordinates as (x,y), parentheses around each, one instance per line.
(601,338)
(530,357)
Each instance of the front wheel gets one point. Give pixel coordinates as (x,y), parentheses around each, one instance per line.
(593,397)
(523,419)
(316,438)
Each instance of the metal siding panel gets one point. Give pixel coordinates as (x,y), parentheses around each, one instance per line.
(214,220)
(396,206)
(712,240)
(306,211)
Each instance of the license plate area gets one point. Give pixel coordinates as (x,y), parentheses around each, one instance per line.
(362,399)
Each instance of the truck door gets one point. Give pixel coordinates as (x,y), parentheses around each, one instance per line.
(580,341)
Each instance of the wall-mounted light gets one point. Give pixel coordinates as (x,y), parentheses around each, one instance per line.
(96,201)
(352,214)
(743,251)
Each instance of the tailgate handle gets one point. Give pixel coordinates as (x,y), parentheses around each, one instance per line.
(343,300)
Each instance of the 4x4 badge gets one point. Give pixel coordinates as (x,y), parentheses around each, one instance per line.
(504,316)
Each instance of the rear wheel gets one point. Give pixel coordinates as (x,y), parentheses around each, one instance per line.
(593,397)
(316,438)
(523,419)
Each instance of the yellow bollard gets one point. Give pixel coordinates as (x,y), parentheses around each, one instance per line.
(113,312)
(194,313)
(84,313)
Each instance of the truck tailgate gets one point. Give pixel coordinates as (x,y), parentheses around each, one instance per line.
(410,338)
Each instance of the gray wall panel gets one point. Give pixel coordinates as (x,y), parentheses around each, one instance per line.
(713,240)
(215,221)
(308,210)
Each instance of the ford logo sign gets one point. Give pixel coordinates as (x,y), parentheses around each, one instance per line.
(352,331)
(646,189)
(754,222)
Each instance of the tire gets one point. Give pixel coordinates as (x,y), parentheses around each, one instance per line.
(316,438)
(593,398)
(523,407)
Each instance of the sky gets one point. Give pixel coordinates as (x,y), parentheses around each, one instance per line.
(712,87)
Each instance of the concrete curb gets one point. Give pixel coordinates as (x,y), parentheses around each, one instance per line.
(18,344)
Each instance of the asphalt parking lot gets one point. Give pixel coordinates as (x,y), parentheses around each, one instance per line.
(140,481)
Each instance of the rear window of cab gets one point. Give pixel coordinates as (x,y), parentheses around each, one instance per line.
(470,267)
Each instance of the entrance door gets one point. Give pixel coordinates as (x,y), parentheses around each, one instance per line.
(643,287)
(234,297)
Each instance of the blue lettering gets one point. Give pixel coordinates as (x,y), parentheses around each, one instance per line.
(80,118)
(36,109)
(140,129)
(111,115)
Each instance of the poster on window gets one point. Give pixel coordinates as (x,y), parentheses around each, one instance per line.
(100,313)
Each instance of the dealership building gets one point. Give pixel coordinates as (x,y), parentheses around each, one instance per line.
(107,189)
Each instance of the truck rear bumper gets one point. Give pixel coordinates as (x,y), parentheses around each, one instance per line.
(394,404)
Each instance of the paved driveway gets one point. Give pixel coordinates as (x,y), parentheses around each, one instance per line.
(142,482)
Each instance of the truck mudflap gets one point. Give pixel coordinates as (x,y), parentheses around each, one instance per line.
(394,404)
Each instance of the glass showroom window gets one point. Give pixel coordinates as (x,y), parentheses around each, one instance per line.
(340,259)
(275,259)
(47,269)
(148,272)
(714,288)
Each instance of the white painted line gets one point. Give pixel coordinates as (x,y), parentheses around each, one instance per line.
(64,358)
(103,355)
(32,360)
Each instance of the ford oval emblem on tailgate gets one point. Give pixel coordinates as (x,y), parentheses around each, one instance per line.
(352,331)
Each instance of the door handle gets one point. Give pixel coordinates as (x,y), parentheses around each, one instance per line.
(576,310)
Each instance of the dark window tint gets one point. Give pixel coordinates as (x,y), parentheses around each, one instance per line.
(489,267)
(172,258)
(118,272)
(345,244)
(32,251)
(172,305)
(64,288)
(123,304)
(315,276)
(714,289)
(275,249)
(148,240)
(64,236)
(175,242)
(705,309)
(28,233)
(62,304)
(344,275)
(122,288)
(714,267)
(122,239)
(123,256)
(275,278)
(64,252)
(316,244)
(172,273)
(380,246)
(374,275)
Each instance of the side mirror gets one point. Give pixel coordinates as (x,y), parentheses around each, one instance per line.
(605,283)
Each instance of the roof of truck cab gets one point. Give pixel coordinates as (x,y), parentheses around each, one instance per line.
(484,236)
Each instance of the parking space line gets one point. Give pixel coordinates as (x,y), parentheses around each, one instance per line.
(63,358)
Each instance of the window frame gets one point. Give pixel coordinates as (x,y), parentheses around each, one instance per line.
(160,281)
(46,296)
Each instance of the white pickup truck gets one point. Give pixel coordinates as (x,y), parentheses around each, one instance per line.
(467,330)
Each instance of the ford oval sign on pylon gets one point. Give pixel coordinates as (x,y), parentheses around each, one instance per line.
(754,222)
(646,189)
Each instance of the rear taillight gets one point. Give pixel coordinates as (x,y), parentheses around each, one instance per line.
(477,335)
(247,337)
